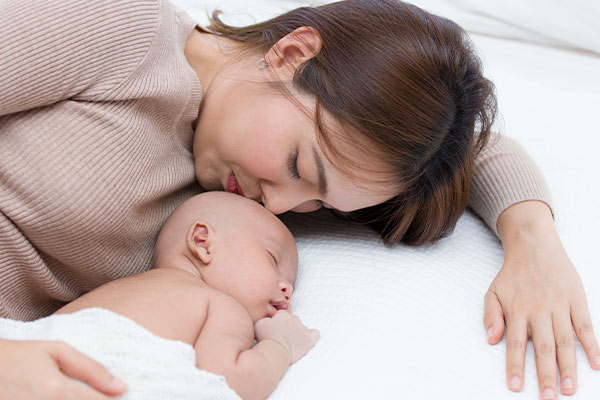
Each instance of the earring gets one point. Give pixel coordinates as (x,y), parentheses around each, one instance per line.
(262,64)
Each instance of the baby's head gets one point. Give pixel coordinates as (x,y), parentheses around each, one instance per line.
(236,246)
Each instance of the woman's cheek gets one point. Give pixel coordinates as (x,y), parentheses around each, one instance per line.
(265,159)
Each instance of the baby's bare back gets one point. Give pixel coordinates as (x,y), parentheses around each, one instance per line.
(170,303)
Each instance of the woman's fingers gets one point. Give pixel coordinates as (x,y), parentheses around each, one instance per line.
(63,388)
(81,367)
(493,317)
(516,344)
(50,370)
(582,323)
(544,347)
(565,352)
(73,390)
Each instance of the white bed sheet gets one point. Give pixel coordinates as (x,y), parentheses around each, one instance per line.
(406,322)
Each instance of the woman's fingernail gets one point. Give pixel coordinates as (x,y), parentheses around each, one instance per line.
(596,361)
(490,332)
(548,394)
(568,384)
(515,382)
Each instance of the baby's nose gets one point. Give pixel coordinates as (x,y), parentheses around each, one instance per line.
(287,289)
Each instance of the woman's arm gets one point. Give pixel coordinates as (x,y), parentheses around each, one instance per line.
(537,292)
(55,50)
(52,51)
(504,175)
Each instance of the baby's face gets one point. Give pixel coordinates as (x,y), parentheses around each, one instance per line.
(261,259)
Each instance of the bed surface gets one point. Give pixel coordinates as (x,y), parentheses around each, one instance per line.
(406,322)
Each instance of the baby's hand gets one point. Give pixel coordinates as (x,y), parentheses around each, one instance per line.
(288,330)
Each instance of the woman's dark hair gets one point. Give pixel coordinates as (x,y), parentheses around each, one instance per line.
(408,82)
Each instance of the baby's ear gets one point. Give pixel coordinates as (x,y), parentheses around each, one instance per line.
(199,240)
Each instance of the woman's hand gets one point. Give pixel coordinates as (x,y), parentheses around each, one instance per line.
(538,294)
(52,370)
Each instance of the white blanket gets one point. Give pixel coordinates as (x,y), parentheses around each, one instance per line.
(153,368)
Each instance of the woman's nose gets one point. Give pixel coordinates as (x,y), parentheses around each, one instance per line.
(274,206)
(279,199)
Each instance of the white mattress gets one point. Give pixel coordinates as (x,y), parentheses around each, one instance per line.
(406,322)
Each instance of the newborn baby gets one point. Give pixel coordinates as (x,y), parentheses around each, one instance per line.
(223,275)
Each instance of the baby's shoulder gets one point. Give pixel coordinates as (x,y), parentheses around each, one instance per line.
(220,300)
(222,306)
(219,305)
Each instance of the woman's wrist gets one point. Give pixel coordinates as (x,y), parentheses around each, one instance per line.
(524,221)
(527,231)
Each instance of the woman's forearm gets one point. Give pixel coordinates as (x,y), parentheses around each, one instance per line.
(504,175)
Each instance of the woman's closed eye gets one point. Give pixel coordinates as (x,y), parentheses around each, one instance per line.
(293,165)
(311,205)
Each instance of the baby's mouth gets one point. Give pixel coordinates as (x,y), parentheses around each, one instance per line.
(280,305)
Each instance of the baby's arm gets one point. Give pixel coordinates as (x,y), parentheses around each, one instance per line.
(224,347)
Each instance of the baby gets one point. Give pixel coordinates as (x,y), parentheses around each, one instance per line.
(223,275)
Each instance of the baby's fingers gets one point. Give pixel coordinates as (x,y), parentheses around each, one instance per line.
(582,323)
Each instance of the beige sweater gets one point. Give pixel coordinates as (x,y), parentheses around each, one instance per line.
(96,106)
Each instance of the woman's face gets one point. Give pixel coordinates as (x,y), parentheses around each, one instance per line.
(259,144)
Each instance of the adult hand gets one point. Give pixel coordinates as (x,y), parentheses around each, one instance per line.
(52,370)
(538,294)
(287,329)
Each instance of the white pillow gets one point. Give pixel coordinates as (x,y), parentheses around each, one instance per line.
(241,12)
(572,24)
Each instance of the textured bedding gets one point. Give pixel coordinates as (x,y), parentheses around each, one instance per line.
(406,322)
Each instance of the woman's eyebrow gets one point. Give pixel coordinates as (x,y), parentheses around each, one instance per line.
(321,173)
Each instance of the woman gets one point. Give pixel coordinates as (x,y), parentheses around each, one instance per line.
(112,112)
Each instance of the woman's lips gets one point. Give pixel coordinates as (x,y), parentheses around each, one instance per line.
(233,186)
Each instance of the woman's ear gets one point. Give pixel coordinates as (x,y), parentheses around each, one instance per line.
(200,238)
(295,48)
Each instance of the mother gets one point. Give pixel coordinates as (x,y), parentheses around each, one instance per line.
(112,111)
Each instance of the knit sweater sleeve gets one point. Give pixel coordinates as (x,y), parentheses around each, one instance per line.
(504,175)
(56,50)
